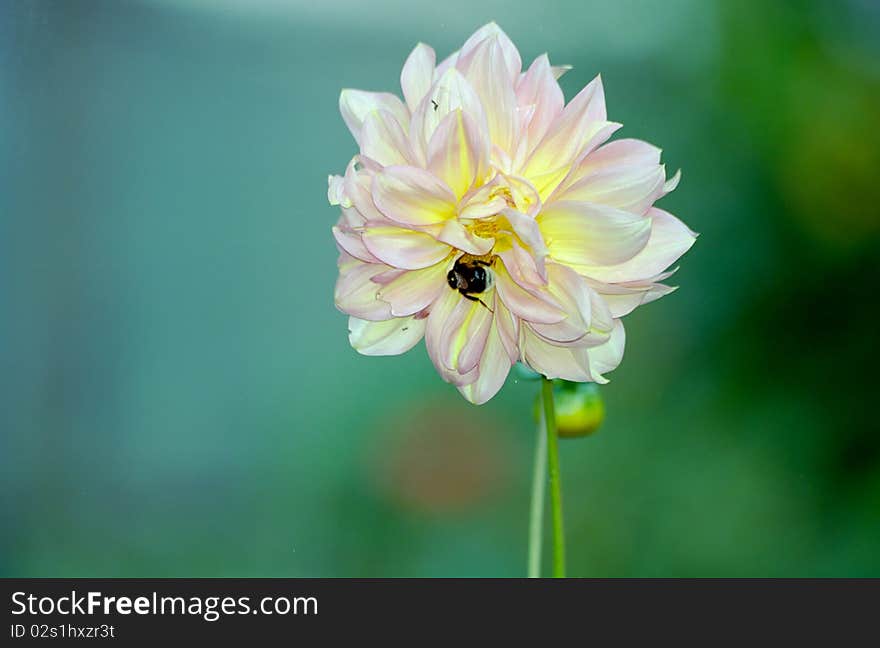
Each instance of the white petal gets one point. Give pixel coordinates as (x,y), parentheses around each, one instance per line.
(412,196)
(417,75)
(391,337)
(355,105)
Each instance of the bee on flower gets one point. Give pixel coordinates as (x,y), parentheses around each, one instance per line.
(487,216)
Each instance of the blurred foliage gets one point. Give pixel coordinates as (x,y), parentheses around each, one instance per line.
(178,396)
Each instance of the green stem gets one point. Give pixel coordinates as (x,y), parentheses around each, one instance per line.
(536,516)
(555,482)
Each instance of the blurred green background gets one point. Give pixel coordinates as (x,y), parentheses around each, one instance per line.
(178,396)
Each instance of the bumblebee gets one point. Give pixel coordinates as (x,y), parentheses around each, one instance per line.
(471,277)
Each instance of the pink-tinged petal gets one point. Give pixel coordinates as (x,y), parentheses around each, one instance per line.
(522,266)
(384,140)
(509,53)
(669,239)
(529,232)
(451,92)
(508,328)
(538,88)
(631,188)
(336,190)
(391,337)
(446,64)
(458,152)
(355,292)
(456,235)
(486,70)
(351,242)
(464,337)
(588,323)
(412,196)
(622,299)
(444,312)
(417,75)
(580,233)
(622,152)
(358,189)
(404,248)
(355,105)
(494,365)
(568,363)
(532,306)
(606,357)
(413,291)
(569,132)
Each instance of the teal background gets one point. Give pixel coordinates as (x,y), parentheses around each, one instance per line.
(178,396)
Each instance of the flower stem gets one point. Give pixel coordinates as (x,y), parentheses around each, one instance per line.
(555,482)
(536,516)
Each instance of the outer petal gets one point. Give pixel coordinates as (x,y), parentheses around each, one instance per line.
(493,368)
(539,88)
(351,242)
(568,363)
(442,312)
(669,239)
(390,337)
(487,72)
(571,130)
(607,357)
(412,196)
(458,152)
(404,248)
(532,306)
(417,75)
(580,233)
(491,31)
(414,290)
(588,322)
(384,140)
(356,291)
(632,188)
(355,105)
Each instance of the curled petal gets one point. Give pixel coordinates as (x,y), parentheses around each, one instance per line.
(532,306)
(412,196)
(336,190)
(355,105)
(622,298)
(456,235)
(351,242)
(356,292)
(588,321)
(494,365)
(391,337)
(417,75)
(445,317)
(606,357)
(413,291)
(568,363)
(404,248)
(581,233)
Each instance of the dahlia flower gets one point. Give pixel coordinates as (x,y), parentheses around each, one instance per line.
(488,217)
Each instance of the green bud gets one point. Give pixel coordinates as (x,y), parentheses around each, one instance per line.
(579,408)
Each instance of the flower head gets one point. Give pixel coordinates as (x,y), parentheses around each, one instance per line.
(487,216)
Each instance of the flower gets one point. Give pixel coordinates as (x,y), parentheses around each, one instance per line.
(487,216)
